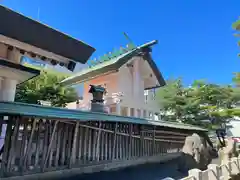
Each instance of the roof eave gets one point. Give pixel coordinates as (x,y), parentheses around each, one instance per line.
(30,72)
(41,36)
(156,71)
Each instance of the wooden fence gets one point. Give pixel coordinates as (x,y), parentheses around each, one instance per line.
(44,139)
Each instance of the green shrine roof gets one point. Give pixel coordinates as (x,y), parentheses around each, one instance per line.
(112,62)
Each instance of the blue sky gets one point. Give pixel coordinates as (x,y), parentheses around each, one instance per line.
(195,36)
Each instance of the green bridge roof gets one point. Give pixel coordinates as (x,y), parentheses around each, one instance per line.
(15,108)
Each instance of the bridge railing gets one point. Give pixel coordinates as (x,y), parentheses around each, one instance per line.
(216,172)
(44,139)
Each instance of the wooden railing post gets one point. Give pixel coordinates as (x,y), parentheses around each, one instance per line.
(114,141)
(14,139)
(98,140)
(29,145)
(130,141)
(49,146)
(74,145)
(142,149)
(7,146)
(153,141)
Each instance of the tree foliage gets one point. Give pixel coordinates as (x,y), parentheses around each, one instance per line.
(236,26)
(199,103)
(45,87)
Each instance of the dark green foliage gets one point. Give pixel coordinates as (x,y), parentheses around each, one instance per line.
(198,104)
(236,26)
(45,87)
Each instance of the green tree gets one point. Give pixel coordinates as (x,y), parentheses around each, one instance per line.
(201,101)
(172,100)
(45,87)
(236,26)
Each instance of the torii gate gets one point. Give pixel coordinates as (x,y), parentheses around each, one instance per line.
(22,36)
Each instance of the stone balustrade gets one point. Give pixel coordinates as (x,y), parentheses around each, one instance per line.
(217,172)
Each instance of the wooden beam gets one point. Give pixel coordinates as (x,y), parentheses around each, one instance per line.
(74,145)
(98,141)
(14,140)
(50,145)
(153,141)
(23,143)
(1,123)
(114,141)
(59,139)
(142,149)
(130,141)
(36,163)
(34,122)
(7,144)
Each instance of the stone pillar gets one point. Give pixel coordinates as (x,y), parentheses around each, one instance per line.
(135,113)
(8,89)
(118,109)
(142,113)
(128,111)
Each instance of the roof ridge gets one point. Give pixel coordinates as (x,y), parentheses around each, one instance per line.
(111,55)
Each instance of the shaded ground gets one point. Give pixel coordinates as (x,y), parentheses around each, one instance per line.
(155,171)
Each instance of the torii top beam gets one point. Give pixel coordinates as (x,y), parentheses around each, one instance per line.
(30,36)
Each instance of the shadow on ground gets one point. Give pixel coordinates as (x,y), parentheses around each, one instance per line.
(155,171)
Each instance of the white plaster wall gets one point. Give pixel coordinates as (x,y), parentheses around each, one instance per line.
(126,86)
(122,81)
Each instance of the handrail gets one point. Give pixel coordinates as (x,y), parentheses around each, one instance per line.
(72,114)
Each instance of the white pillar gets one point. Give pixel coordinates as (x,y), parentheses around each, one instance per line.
(128,111)
(8,86)
(135,113)
(118,109)
(141,113)
(8,89)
